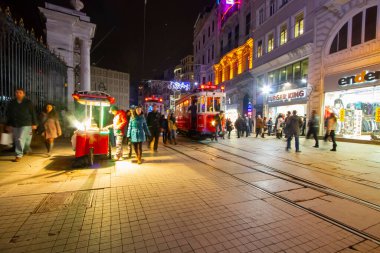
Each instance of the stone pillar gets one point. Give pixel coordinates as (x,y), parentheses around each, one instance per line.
(85,71)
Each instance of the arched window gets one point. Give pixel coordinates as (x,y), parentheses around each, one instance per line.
(363,28)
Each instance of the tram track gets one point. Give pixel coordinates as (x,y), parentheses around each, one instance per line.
(295,179)
(301,165)
(289,178)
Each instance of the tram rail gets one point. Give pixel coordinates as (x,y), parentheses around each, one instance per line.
(293,179)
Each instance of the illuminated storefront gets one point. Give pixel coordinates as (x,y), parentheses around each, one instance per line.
(354,97)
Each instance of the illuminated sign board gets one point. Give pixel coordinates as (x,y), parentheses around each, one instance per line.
(364,77)
(289,95)
(179,86)
(227,8)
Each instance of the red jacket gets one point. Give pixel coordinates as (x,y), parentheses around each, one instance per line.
(119,122)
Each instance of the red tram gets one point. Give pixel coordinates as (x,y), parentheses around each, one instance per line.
(152,101)
(195,112)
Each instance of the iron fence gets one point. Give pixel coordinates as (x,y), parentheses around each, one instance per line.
(27,63)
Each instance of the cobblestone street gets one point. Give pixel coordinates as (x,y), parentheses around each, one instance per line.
(175,203)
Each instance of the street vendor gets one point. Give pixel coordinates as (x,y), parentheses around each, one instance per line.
(119,123)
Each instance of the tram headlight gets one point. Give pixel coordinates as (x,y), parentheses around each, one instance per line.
(213,123)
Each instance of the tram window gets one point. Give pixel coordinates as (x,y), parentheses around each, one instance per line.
(217,104)
(202,104)
(210,104)
(186,106)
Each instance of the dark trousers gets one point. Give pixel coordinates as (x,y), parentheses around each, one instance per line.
(229,134)
(138,149)
(155,132)
(289,142)
(258,131)
(313,131)
(165,136)
(332,136)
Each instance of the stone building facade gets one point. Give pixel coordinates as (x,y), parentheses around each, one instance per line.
(115,83)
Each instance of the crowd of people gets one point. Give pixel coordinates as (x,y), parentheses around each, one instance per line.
(133,128)
(128,127)
(289,126)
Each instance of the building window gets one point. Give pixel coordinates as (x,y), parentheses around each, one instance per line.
(298,25)
(259,48)
(221,47)
(357,23)
(283,2)
(270,44)
(272,7)
(261,16)
(203,59)
(370,23)
(236,35)
(340,41)
(229,40)
(213,26)
(204,39)
(247,23)
(212,52)
(209,31)
(283,34)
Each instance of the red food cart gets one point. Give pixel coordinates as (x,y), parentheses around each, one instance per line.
(90,138)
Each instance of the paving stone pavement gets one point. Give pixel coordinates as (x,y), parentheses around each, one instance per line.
(169,204)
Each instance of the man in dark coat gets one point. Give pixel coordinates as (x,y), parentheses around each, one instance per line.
(313,128)
(293,125)
(153,122)
(21,121)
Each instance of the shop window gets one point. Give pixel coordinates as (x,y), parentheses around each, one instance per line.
(357,23)
(297,71)
(304,68)
(283,34)
(340,41)
(259,48)
(298,25)
(270,42)
(282,75)
(370,23)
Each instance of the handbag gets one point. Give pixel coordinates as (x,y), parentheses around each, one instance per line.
(6,139)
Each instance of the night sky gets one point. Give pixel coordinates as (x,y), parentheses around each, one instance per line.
(169,33)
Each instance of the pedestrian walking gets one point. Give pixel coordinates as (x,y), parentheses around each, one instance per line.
(218,122)
(164,129)
(21,121)
(247,128)
(118,125)
(330,130)
(280,124)
(137,131)
(153,121)
(172,127)
(49,128)
(284,129)
(293,128)
(265,127)
(313,125)
(128,114)
(239,124)
(250,122)
(270,126)
(259,125)
(229,127)
(303,125)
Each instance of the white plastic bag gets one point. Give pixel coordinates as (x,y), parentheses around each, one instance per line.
(6,139)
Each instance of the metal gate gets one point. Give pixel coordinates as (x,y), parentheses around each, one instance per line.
(27,63)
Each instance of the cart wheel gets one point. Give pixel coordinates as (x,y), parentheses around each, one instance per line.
(91,156)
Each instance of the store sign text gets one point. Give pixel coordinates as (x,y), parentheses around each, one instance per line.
(287,96)
(363,77)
